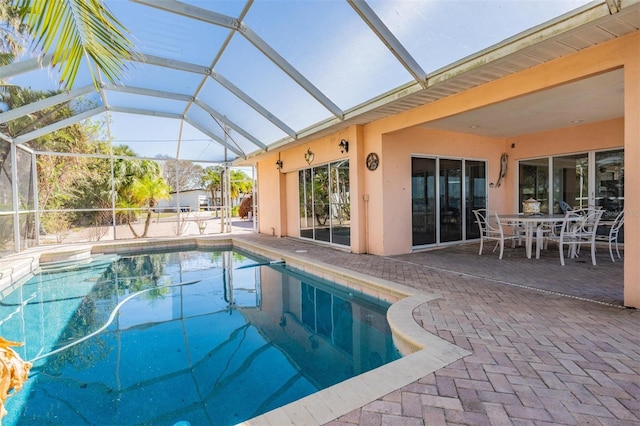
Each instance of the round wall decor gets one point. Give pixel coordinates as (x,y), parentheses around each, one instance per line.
(372,161)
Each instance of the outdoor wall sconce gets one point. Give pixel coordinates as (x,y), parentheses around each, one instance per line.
(344,146)
(308,156)
(279,164)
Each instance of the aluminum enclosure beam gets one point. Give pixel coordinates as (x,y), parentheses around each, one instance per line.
(218,116)
(198,69)
(58,125)
(149,92)
(215,137)
(393,44)
(252,103)
(12,114)
(174,64)
(214,18)
(150,113)
(17,68)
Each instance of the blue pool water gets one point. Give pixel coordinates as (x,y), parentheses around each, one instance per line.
(204,337)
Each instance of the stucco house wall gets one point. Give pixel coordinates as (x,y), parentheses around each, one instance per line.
(381,199)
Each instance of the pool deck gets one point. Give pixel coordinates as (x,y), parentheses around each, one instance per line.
(548,344)
(525,341)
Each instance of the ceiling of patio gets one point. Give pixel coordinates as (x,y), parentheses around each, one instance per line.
(235,79)
(590,100)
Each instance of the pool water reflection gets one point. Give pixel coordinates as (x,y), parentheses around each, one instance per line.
(208,337)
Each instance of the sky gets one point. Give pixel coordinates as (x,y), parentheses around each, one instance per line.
(324,39)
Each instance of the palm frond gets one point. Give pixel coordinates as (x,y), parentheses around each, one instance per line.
(75,29)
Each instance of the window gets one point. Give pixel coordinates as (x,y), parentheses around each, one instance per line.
(586,179)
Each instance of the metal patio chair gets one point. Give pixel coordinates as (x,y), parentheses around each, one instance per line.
(612,237)
(492,230)
(578,229)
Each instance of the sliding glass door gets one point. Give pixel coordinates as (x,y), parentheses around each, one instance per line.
(325,205)
(442,208)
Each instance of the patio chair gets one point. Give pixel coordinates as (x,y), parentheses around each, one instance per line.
(578,229)
(612,237)
(491,230)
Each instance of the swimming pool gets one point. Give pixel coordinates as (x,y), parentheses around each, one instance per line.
(208,337)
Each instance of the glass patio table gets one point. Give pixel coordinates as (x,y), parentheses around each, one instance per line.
(531,223)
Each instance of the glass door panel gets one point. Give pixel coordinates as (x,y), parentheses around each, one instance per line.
(340,203)
(571,181)
(322,220)
(534,182)
(325,204)
(450,200)
(610,182)
(305,192)
(423,197)
(476,195)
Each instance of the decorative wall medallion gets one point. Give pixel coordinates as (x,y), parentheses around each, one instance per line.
(372,161)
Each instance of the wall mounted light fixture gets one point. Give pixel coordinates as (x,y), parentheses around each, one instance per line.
(344,146)
(279,164)
(308,156)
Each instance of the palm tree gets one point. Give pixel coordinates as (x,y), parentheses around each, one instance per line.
(147,191)
(240,183)
(75,29)
(212,181)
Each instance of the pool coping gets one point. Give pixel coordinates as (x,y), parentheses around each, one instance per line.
(423,352)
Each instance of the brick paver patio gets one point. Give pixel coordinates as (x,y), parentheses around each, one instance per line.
(550,344)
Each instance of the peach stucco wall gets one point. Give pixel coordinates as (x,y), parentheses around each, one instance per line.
(278,190)
(632,179)
(381,199)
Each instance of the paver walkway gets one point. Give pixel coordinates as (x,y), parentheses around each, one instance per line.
(538,356)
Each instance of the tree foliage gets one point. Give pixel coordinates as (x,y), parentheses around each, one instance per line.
(212,180)
(64,182)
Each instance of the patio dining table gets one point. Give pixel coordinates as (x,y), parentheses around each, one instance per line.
(531,223)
